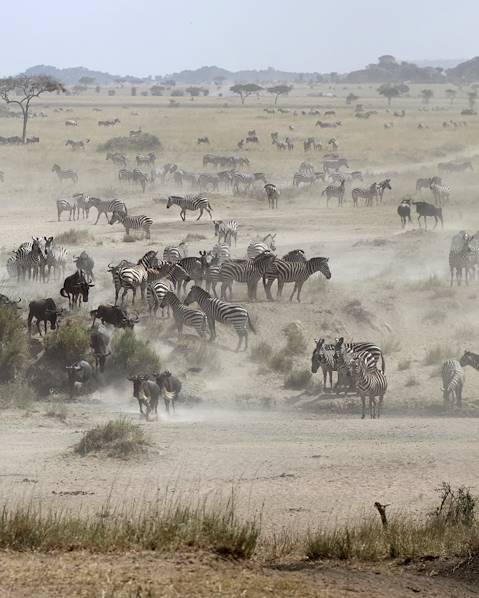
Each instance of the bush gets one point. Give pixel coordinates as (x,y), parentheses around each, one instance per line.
(131,355)
(457,506)
(73,237)
(68,344)
(13,343)
(281,361)
(295,338)
(138,143)
(436,354)
(298,379)
(119,439)
(18,394)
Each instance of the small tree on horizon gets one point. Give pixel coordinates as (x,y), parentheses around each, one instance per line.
(85,80)
(279,90)
(350,98)
(451,95)
(472,98)
(27,88)
(390,91)
(245,89)
(426,95)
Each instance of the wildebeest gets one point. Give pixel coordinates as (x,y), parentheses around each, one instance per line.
(170,387)
(4,300)
(85,263)
(43,310)
(99,342)
(147,394)
(404,211)
(80,371)
(74,287)
(428,210)
(114,315)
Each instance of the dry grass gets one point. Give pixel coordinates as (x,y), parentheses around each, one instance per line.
(298,379)
(73,236)
(437,354)
(120,439)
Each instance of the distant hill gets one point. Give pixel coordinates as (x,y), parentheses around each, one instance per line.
(444,63)
(209,74)
(389,70)
(466,72)
(71,76)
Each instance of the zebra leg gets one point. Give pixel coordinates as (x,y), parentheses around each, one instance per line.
(201,214)
(280,288)
(363,403)
(330,378)
(212,327)
(183,215)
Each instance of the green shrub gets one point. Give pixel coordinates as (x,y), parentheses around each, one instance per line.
(298,379)
(120,439)
(295,338)
(68,344)
(131,355)
(13,343)
(138,143)
(456,506)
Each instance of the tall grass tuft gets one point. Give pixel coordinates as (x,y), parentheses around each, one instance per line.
(68,343)
(13,343)
(119,438)
(132,355)
(73,236)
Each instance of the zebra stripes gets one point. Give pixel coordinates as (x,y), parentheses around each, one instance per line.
(452,382)
(65,174)
(297,272)
(132,277)
(136,223)
(225,230)
(65,206)
(174,253)
(217,310)
(185,316)
(324,358)
(246,180)
(441,193)
(471,359)
(460,257)
(107,206)
(368,194)
(190,202)
(156,290)
(335,190)
(222,253)
(248,272)
(257,247)
(381,188)
(272,193)
(370,383)
(28,258)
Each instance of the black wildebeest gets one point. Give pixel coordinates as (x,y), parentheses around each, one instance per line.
(85,262)
(100,342)
(428,210)
(147,394)
(170,387)
(80,371)
(43,310)
(404,211)
(114,315)
(74,287)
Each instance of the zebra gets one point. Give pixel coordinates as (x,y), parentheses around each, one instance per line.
(157,289)
(56,258)
(272,193)
(140,178)
(257,247)
(226,230)
(114,271)
(77,145)
(427,182)
(297,272)
(106,206)
(185,316)
(341,348)
(148,160)
(453,381)
(302,178)
(221,252)
(65,174)
(28,257)
(460,257)
(125,175)
(369,382)
(247,180)
(133,222)
(117,159)
(471,359)
(381,188)
(132,277)
(295,255)
(195,267)
(473,244)
(190,202)
(334,164)
(217,310)
(65,206)
(441,193)
(335,191)
(367,194)
(323,358)
(248,272)
(206,178)
(174,253)
(82,202)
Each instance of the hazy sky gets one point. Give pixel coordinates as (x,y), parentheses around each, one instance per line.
(143,37)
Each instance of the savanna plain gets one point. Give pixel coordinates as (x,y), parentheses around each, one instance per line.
(262,481)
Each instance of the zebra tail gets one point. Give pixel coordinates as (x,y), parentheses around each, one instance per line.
(251,325)
(63,293)
(383,363)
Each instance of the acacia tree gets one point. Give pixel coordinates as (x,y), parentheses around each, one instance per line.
(451,95)
(279,90)
(426,95)
(350,98)
(85,80)
(245,89)
(390,91)
(472,98)
(26,88)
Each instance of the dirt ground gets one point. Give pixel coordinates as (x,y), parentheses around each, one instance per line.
(301,458)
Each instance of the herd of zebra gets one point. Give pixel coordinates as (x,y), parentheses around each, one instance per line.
(37,259)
